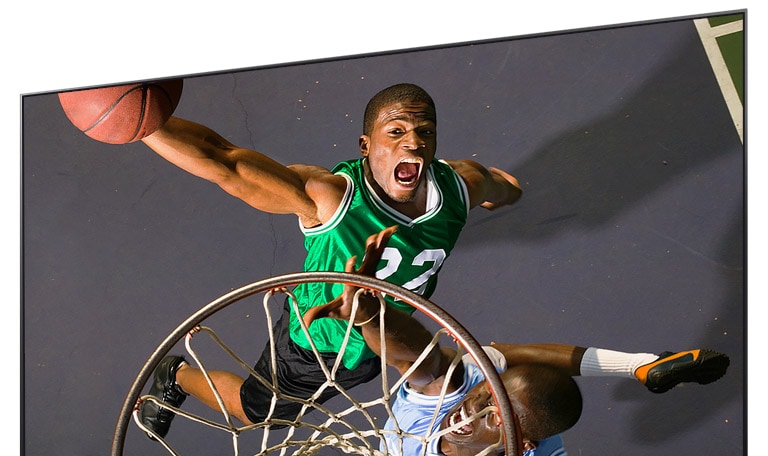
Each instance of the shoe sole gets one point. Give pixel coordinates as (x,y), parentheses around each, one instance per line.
(709,367)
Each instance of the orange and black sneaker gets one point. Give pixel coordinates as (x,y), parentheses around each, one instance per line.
(700,366)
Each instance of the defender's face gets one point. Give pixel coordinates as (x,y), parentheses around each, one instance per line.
(401,146)
(477,435)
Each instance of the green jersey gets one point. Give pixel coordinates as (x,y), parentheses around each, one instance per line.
(412,258)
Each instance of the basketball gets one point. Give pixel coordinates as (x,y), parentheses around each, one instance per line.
(125,113)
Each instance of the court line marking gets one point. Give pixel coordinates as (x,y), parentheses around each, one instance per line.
(709,35)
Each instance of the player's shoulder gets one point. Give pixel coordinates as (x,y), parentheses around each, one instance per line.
(468,170)
(324,188)
(458,164)
(353,167)
(318,174)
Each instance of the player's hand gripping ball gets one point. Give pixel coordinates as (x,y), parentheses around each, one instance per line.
(122,114)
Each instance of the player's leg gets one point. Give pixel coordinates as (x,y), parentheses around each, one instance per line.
(659,373)
(299,375)
(566,357)
(192,381)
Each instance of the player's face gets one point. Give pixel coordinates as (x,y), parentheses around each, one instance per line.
(401,146)
(478,434)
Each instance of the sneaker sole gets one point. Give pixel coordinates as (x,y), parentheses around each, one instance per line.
(709,367)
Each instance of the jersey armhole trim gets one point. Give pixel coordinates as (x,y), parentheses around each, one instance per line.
(338,215)
(462,186)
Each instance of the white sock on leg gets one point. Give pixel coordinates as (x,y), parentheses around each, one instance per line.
(599,362)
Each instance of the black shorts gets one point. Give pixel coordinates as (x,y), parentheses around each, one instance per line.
(298,374)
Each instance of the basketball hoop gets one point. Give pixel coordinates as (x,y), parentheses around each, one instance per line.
(351,424)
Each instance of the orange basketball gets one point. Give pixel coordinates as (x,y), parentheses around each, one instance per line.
(125,113)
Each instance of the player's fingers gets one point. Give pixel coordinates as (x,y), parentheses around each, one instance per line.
(350,266)
(383,237)
(371,257)
(374,249)
(324,311)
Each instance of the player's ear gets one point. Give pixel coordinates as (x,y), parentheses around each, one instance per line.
(364,142)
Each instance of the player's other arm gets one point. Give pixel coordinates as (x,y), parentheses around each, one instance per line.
(406,338)
(310,192)
(488,187)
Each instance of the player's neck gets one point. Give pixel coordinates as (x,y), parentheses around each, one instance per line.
(415,207)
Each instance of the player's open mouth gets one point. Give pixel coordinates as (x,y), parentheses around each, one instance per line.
(408,171)
(458,416)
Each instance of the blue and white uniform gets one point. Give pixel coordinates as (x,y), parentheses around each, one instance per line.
(414,412)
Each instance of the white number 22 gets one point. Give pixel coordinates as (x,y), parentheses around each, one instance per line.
(418,284)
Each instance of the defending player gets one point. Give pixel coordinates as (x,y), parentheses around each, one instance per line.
(537,379)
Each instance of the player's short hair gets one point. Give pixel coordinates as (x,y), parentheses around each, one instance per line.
(548,400)
(398,93)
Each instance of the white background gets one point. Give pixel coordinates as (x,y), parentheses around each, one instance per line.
(48,46)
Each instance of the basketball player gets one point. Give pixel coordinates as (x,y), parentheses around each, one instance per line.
(397,181)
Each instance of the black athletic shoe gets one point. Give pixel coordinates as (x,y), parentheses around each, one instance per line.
(164,387)
(701,366)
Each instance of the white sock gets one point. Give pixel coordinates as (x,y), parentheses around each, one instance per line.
(599,362)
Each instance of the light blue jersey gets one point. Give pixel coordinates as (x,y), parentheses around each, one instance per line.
(415,411)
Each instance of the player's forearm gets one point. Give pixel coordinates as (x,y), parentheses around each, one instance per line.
(193,147)
(251,176)
(405,339)
(488,187)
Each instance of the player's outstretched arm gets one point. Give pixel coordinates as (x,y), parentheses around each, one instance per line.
(488,187)
(310,192)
